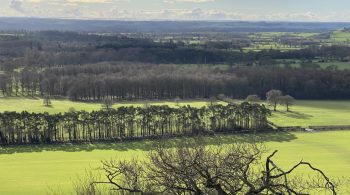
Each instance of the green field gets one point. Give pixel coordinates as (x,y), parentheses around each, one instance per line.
(39,168)
(36,105)
(339,65)
(340,36)
(314,113)
(36,169)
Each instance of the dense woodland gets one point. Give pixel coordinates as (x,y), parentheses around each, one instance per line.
(51,48)
(129,123)
(148,81)
(90,67)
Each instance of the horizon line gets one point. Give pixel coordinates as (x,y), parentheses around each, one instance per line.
(168,20)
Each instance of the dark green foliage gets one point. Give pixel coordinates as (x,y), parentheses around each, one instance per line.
(150,81)
(83,66)
(129,123)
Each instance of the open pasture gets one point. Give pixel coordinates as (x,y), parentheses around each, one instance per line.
(313,113)
(37,169)
(36,105)
(340,36)
(339,65)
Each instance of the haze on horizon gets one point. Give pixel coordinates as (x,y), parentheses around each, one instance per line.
(250,10)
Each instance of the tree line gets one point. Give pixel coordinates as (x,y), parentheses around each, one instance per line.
(95,82)
(129,123)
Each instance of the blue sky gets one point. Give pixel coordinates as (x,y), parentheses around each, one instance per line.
(268,10)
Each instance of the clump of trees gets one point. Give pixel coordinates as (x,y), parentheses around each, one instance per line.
(275,97)
(252,98)
(129,123)
(199,169)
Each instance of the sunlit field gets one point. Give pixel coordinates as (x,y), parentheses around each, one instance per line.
(43,169)
(39,169)
(314,113)
(36,105)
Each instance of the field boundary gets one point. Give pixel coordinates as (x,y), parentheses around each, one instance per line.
(314,128)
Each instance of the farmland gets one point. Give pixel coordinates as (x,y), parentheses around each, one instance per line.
(44,168)
(36,105)
(314,113)
(41,168)
(55,167)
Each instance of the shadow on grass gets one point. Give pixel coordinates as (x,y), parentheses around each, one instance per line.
(147,145)
(296,115)
(12,97)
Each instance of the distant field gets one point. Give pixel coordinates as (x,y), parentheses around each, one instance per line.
(36,105)
(270,46)
(296,64)
(33,169)
(340,36)
(270,40)
(340,65)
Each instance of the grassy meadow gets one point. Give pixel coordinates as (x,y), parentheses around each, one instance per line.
(39,169)
(339,65)
(36,105)
(340,36)
(315,113)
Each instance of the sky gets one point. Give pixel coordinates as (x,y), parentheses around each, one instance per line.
(250,10)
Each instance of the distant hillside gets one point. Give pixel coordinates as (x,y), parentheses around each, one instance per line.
(35,24)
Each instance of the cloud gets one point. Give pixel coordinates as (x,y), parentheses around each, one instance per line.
(196,1)
(17,5)
(188,1)
(70,1)
(88,1)
(111,9)
(210,14)
(173,14)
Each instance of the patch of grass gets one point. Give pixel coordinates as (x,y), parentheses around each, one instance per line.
(35,168)
(340,36)
(306,113)
(340,65)
(36,104)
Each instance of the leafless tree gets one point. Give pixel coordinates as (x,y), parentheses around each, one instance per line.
(252,98)
(107,103)
(200,169)
(287,101)
(272,97)
(47,101)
